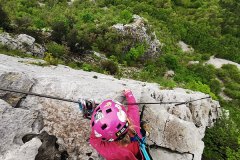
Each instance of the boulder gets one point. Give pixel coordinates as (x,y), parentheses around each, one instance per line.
(27,151)
(15,123)
(185,47)
(193,62)
(138,29)
(169,74)
(22,42)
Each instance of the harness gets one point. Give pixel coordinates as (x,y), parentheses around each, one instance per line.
(142,146)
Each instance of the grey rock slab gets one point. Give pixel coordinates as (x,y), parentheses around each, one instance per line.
(169,155)
(15,81)
(15,123)
(27,151)
(177,128)
(22,42)
(138,30)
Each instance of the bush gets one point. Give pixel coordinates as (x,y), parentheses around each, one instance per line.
(57,50)
(199,86)
(59,31)
(171,61)
(87,67)
(222,140)
(87,17)
(110,66)
(235,94)
(135,53)
(23,23)
(4,19)
(50,59)
(125,16)
(215,86)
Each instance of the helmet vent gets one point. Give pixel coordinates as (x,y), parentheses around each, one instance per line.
(109,110)
(92,123)
(104,126)
(118,126)
(103,139)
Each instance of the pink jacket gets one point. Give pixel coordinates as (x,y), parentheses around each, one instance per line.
(111,150)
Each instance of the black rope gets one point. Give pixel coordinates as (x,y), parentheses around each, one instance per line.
(69,100)
(39,95)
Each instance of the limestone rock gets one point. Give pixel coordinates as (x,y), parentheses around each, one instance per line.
(169,155)
(22,42)
(193,62)
(15,123)
(180,128)
(27,151)
(169,74)
(218,62)
(49,148)
(175,131)
(185,47)
(16,81)
(139,31)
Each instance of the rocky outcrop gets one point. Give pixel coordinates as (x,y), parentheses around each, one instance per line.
(19,81)
(176,132)
(185,48)
(22,42)
(27,151)
(15,123)
(218,62)
(139,29)
(179,127)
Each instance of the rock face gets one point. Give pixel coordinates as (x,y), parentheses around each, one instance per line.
(15,123)
(180,128)
(185,47)
(27,151)
(169,74)
(139,31)
(218,62)
(176,132)
(22,42)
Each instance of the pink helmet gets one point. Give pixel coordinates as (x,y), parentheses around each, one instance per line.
(109,120)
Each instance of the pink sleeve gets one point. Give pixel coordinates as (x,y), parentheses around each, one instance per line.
(110,150)
(133,110)
(103,148)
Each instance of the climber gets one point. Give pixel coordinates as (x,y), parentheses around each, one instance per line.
(116,131)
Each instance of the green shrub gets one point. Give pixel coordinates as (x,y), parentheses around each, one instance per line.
(199,86)
(87,17)
(59,31)
(50,59)
(57,50)
(232,71)
(171,61)
(4,19)
(125,16)
(110,66)
(87,67)
(215,86)
(235,94)
(222,140)
(135,53)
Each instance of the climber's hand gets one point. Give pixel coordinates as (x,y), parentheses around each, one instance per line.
(126,92)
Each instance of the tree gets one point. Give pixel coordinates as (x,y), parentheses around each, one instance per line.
(4,19)
(59,31)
